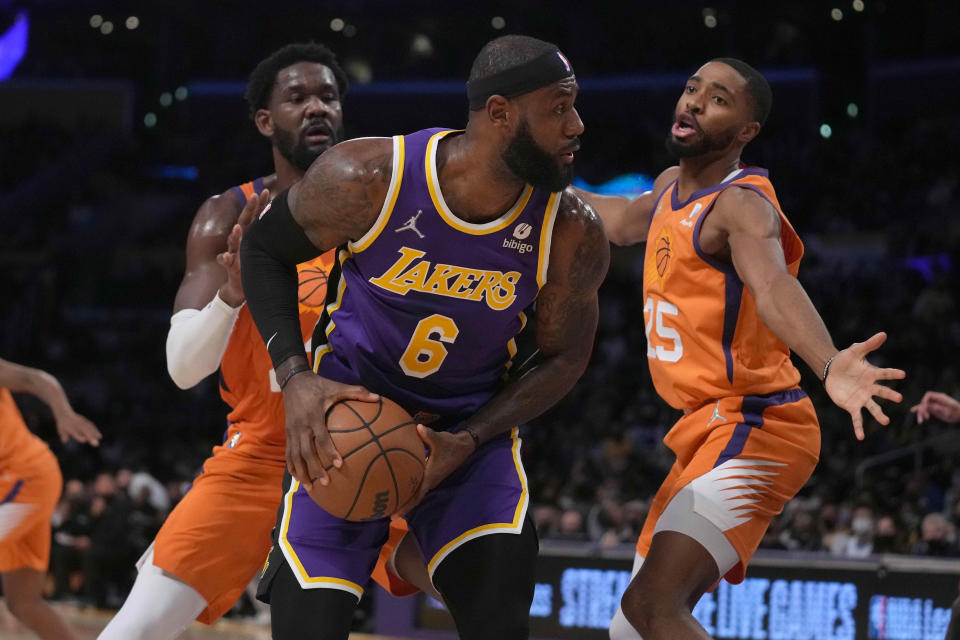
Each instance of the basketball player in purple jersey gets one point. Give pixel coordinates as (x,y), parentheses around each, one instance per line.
(444,238)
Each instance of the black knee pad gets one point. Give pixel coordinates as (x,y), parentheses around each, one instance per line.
(487,584)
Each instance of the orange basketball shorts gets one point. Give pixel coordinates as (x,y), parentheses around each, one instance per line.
(386,578)
(27,504)
(218,537)
(745,457)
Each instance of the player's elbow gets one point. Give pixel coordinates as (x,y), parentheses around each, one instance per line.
(616,236)
(180,365)
(616,229)
(628,239)
(768,294)
(181,379)
(574,363)
(179,373)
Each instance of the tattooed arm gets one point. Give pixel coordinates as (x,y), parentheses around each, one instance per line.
(338,200)
(566,321)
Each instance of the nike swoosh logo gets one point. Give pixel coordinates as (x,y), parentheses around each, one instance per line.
(271,339)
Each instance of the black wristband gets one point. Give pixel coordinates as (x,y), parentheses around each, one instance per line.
(271,249)
(300,368)
(473,434)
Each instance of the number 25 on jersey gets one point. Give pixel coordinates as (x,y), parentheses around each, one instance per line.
(653,312)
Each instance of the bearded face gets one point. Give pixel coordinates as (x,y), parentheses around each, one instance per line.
(532,164)
(300,147)
(699,143)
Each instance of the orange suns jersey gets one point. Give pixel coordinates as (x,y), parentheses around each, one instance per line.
(247,380)
(705,339)
(19,449)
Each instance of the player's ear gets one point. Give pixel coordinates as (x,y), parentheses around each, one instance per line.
(748,132)
(498,110)
(264,122)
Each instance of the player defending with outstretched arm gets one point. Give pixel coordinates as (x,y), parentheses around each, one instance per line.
(195,569)
(444,238)
(30,484)
(723,309)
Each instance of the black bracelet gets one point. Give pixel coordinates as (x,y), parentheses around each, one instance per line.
(473,434)
(826,368)
(300,368)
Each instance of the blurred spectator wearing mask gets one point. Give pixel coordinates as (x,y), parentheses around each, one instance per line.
(859,544)
(888,537)
(936,537)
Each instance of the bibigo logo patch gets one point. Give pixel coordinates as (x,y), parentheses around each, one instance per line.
(522,231)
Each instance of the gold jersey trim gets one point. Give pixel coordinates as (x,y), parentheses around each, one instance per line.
(393,191)
(303,577)
(433,185)
(495,527)
(546,237)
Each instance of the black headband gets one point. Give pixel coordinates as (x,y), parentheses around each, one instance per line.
(523,78)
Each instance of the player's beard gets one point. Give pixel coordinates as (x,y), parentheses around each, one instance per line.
(529,162)
(296,149)
(706,144)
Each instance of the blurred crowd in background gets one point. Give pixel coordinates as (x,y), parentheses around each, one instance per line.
(95,212)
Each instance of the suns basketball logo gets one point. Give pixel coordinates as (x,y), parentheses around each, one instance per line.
(663,255)
(656,267)
(313,287)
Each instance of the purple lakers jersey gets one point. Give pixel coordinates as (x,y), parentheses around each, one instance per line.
(425,307)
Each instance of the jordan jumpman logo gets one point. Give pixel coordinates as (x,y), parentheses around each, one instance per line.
(411,225)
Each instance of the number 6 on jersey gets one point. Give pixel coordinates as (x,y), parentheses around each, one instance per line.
(425,351)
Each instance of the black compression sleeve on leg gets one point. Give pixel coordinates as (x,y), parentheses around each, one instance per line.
(488,584)
(308,614)
(272,248)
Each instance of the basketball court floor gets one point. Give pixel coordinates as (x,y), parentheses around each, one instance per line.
(89,623)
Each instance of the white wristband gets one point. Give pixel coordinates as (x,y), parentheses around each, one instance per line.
(197,340)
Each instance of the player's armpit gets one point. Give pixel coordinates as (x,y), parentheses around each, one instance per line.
(343,192)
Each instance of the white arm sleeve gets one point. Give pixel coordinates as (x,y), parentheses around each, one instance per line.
(197,339)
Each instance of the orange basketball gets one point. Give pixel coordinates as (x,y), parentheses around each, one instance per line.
(313,286)
(383,460)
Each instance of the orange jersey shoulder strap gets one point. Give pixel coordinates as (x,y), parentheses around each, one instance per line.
(247,189)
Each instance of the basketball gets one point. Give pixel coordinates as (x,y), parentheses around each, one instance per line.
(383,460)
(313,286)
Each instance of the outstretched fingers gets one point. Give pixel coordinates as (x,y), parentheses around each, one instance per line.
(886,393)
(857,424)
(890,374)
(255,204)
(861,349)
(877,412)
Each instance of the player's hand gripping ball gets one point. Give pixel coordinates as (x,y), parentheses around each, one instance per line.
(383,460)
